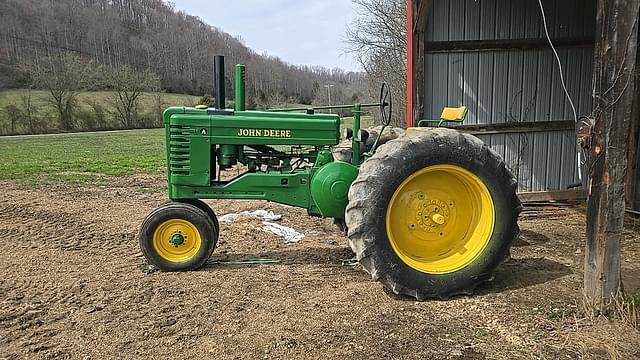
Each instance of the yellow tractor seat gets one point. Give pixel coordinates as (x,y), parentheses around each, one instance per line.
(454,114)
(448,114)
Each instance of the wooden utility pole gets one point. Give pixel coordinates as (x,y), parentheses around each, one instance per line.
(614,92)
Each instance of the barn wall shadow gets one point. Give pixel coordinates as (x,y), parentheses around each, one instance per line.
(524,272)
(528,237)
(515,274)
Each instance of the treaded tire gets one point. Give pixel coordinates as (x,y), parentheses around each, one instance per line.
(376,183)
(206,226)
(206,208)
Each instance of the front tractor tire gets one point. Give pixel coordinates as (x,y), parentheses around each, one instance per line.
(432,214)
(179,236)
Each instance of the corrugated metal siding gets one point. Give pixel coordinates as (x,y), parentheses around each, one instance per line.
(509,86)
(514,85)
(541,161)
(509,19)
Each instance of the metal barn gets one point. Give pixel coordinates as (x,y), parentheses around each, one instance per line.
(493,56)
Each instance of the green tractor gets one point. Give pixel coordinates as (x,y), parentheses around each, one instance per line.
(430,213)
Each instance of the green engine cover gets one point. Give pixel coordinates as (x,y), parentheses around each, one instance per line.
(330,187)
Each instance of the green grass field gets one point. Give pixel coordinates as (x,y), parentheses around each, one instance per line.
(81,157)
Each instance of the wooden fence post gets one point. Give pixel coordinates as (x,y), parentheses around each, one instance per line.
(614,92)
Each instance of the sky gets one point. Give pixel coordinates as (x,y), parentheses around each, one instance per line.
(300,32)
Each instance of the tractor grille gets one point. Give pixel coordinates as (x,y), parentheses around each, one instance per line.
(180,149)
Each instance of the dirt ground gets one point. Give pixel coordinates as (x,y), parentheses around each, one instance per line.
(73,286)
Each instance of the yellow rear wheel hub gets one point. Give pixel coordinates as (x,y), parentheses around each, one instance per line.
(176,240)
(440,219)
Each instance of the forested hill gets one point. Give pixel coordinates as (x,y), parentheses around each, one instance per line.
(152,35)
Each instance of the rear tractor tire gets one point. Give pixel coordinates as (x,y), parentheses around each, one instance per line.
(179,236)
(432,214)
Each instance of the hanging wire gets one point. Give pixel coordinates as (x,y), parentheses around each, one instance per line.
(555,53)
(564,85)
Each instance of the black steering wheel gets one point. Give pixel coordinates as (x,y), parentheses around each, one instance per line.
(386,105)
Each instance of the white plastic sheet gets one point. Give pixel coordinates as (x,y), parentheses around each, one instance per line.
(259,214)
(290,235)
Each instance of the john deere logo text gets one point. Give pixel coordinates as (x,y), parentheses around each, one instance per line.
(264,132)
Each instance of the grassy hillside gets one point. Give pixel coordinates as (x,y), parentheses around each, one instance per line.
(40,98)
(93,110)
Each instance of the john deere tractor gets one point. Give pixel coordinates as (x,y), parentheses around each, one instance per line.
(430,214)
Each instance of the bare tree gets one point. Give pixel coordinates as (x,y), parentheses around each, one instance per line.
(21,117)
(63,76)
(28,112)
(13,114)
(128,85)
(378,39)
(158,108)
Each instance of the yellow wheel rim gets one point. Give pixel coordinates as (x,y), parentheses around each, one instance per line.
(176,240)
(440,219)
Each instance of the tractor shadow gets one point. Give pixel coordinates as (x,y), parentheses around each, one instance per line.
(521,272)
(513,274)
(329,256)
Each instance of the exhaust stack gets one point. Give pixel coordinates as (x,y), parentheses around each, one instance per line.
(218,81)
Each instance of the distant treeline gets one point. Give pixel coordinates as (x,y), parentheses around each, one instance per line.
(54,40)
